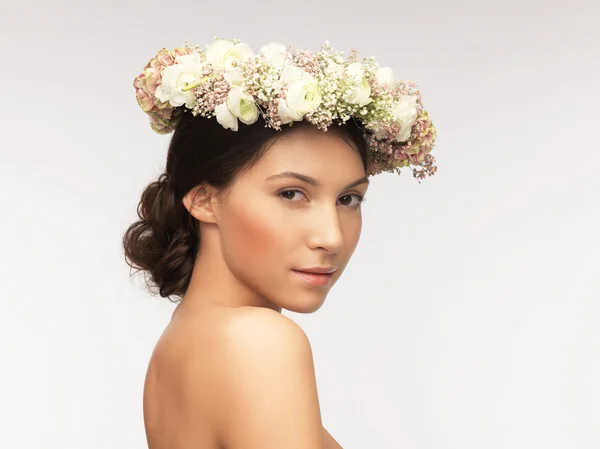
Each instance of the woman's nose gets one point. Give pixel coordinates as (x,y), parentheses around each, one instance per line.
(326,231)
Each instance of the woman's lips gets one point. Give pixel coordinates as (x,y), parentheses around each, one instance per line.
(316,279)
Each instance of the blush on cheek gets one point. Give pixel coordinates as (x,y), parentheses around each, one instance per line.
(253,237)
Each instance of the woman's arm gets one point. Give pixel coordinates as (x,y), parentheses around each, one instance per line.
(330,443)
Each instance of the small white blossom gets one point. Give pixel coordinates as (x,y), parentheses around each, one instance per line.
(405,112)
(334,69)
(385,75)
(361,94)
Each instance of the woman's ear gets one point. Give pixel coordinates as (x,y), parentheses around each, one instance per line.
(201,203)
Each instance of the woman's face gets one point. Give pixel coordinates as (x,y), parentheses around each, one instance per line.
(272,222)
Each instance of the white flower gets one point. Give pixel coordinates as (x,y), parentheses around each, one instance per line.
(276,54)
(239,105)
(302,97)
(291,73)
(222,52)
(334,68)
(385,75)
(186,72)
(242,105)
(356,69)
(362,92)
(234,77)
(405,112)
(225,117)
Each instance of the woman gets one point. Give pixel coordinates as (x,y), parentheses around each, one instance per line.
(253,218)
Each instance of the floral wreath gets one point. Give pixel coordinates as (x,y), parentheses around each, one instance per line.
(227,80)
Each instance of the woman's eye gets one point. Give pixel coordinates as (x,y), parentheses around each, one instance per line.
(354,200)
(346,200)
(286,194)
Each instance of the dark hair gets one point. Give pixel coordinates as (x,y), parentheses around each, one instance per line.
(164,241)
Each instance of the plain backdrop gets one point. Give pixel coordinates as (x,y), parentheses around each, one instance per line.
(468,316)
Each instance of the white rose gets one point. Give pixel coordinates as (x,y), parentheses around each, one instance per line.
(385,75)
(242,105)
(239,105)
(225,117)
(222,52)
(362,91)
(405,112)
(276,54)
(302,97)
(186,72)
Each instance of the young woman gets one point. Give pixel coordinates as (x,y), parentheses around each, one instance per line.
(251,219)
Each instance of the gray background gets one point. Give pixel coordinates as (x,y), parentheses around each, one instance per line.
(468,316)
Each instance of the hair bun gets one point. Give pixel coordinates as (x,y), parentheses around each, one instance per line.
(162,242)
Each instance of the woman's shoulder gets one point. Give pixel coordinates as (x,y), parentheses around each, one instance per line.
(259,369)
(261,325)
(199,352)
(221,329)
(226,340)
(267,376)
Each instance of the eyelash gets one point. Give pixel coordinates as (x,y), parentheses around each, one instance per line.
(361,198)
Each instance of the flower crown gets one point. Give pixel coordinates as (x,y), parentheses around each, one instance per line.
(229,81)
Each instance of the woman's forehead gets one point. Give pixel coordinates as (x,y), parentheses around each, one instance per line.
(324,163)
(311,150)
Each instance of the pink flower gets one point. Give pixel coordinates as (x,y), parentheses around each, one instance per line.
(147,82)
(163,121)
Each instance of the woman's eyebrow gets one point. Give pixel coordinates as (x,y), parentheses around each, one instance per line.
(312,181)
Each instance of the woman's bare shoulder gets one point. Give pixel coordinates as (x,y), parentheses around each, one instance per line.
(262,324)
(266,382)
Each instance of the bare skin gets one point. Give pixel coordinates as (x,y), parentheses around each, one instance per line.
(230,371)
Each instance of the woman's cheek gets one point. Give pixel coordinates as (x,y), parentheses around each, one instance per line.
(255,234)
